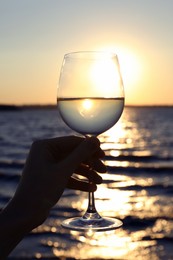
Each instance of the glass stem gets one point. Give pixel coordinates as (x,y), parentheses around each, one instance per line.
(91,203)
(91,213)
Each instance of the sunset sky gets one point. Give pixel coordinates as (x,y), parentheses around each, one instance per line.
(35,35)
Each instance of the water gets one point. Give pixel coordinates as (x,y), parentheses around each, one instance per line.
(91,116)
(138,187)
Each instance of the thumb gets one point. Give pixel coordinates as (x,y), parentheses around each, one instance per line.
(82,152)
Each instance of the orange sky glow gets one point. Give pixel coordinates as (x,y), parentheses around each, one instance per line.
(35,37)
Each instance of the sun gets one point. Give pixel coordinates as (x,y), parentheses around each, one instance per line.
(130,65)
(104,75)
(87,104)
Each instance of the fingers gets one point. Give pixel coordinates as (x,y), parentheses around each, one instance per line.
(97,165)
(83,152)
(64,144)
(89,173)
(81,185)
(59,148)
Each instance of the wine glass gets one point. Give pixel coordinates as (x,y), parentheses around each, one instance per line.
(90,99)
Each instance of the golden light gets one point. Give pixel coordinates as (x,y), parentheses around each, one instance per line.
(110,140)
(86,108)
(131,66)
(87,104)
(105,76)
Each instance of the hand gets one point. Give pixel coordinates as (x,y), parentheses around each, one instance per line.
(51,163)
(47,172)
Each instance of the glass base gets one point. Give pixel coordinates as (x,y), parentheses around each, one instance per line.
(101,224)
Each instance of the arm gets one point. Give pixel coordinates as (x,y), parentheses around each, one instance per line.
(47,172)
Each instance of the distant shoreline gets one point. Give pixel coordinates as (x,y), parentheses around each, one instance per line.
(10,107)
(24,107)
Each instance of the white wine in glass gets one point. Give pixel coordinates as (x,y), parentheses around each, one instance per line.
(90,99)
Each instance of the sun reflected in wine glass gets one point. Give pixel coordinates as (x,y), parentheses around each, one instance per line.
(87,104)
(86,107)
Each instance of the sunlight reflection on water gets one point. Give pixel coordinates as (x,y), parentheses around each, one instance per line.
(133,196)
(134,199)
(121,243)
(137,188)
(109,245)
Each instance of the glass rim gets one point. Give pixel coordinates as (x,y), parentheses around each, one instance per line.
(90,55)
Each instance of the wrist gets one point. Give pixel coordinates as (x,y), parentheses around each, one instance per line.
(28,214)
(17,219)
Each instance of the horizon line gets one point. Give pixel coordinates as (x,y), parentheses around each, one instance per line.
(8,105)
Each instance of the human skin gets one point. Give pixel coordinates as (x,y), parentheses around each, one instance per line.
(47,172)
